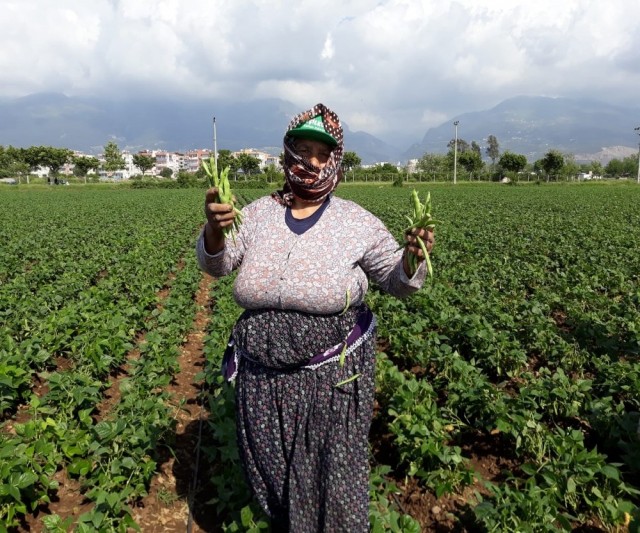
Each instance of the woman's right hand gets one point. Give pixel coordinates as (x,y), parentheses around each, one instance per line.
(219,216)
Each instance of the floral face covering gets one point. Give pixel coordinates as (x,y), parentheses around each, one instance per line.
(304,180)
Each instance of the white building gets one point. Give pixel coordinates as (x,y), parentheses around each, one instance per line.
(412,166)
(170,160)
(587,176)
(192,160)
(122,174)
(264,158)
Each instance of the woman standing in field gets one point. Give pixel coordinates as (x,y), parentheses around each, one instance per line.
(303,350)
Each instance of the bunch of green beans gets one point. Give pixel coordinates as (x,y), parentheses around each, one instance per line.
(225,196)
(421,219)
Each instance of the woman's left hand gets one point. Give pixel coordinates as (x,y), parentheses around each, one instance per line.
(413,247)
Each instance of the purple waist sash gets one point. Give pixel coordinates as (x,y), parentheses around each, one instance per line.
(362,330)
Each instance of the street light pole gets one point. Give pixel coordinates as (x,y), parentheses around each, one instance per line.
(455,153)
(638,179)
(215,145)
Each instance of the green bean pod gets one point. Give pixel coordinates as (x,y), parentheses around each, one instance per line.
(421,220)
(224,194)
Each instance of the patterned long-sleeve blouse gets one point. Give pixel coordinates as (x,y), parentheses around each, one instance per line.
(313,271)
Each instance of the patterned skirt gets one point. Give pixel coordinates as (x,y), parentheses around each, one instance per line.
(303,440)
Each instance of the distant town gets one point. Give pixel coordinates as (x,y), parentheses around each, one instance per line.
(189,161)
(463,161)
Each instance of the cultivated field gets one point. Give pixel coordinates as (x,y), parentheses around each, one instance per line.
(508,388)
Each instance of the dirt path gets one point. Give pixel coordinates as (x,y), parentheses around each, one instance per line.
(166,507)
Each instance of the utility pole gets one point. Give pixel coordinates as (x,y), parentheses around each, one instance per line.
(455,153)
(215,145)
(638,179)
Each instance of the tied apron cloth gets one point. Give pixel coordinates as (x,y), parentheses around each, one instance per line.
(363,329)
(302,423)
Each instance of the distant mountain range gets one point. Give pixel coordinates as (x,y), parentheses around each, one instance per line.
(526,125)
(87,124)
(533,125)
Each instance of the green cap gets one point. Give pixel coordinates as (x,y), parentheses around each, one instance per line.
(313,129)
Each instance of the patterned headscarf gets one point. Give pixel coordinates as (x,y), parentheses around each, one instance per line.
(302,179)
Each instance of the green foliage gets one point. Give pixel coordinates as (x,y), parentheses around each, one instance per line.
(272,176)
(383,513)
(166,173)
(87,310)
(570,168)
(511,162)
(21,160)
(188,179)
(55,158)
(144,162)
(147,182)
(82,165)
(231,494)
(435,166)
(493,148)
(626,167)
(513,510)
(113,158)
(462,146)
(253,184)
(552,163)
(512,347)
(525,340)
(248,163)
(385,168)
(350,160)
(471,161)
(385,172)
(226,159)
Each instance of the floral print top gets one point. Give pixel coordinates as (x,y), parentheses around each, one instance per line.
(311,272)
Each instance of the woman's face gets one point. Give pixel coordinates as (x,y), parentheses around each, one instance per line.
(316,152)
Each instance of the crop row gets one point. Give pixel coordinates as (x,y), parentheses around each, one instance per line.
(85,285)
(527,338)
(526,341)
(110,451)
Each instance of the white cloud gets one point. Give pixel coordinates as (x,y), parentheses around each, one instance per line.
(327,49)
(392,68)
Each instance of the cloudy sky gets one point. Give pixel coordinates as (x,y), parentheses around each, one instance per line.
(392,68)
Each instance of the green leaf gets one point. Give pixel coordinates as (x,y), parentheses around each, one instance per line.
(24,480)
(14,492)
(611,472)
(246,516)
(79,467)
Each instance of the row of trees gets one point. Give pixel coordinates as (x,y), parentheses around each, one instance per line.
(24,161)
(18,162)
(554,165)
(471,166)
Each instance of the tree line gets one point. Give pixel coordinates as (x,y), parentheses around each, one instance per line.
(553,166)
(22,162)
(467,157)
